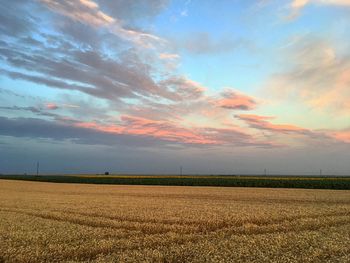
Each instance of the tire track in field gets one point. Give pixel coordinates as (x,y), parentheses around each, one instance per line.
(298,224)
(286,226)
(135,241)
(218,197)
(138,227)
(153,227)
(207,227)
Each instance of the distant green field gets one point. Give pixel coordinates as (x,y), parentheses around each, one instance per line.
(215,180)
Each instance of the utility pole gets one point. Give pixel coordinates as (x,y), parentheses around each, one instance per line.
(320,172)
(181,170)
(265,173)
(37,169)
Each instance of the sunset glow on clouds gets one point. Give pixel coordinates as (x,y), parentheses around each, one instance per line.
(146,86)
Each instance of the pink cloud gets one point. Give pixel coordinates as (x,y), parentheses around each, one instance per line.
(236,101)
(172,132)
(146,127)
(263,123)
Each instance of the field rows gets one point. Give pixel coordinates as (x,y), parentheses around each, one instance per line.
(346,178)
(166,226)
(107,223)
(342,183)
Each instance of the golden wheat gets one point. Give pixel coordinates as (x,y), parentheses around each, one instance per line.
(108,223)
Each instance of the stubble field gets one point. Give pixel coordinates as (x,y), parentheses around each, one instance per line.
(119,223)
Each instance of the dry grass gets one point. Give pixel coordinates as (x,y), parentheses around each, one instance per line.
(109,223)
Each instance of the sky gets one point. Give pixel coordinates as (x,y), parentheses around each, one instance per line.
(149,86)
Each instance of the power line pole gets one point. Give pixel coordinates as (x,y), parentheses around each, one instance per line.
(180,170)
(37,169)
(320,172)
(265,173)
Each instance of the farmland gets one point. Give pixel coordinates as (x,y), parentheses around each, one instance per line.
(49,222)
(325,182)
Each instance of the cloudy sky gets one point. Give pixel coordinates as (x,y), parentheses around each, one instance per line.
(147,86)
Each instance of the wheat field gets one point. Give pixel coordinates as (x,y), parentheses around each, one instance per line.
(47,222)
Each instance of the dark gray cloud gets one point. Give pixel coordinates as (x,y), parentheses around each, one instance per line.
(59,131)
(96,74)
(137,133)
(236,138)
(15,18)
(35,110)
(42,80)
(132,11)
(60,63)
(82,34)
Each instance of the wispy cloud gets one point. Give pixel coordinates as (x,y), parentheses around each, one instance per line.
(84,11)
(317,78)
(184,11)
(297,5)
(89,12)
(264,123)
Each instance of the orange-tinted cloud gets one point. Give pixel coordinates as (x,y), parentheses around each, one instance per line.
(342,136)
(236,101)
(51,106)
